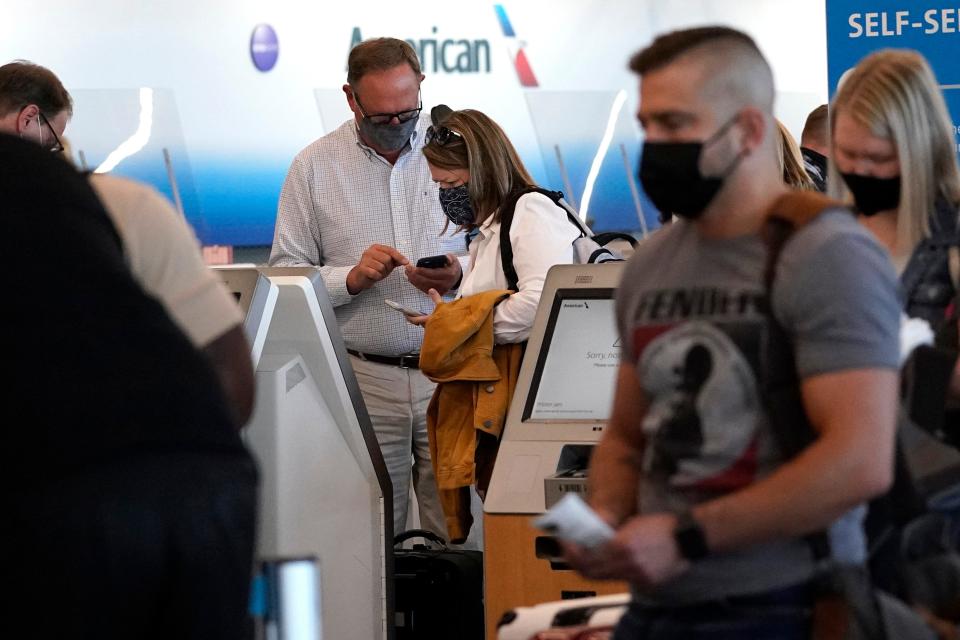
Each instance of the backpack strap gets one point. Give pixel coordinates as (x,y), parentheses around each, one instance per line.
(780,386)
(789,212)
(792,429)
(953,264)
(507,210)
(605,238)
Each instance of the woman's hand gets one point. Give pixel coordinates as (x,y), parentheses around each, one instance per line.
(421,321)
(440,279)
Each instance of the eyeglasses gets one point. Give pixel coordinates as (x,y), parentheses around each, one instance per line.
(57,145)
(386,118)
(440,135)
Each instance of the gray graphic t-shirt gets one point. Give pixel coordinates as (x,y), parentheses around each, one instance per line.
(692,318)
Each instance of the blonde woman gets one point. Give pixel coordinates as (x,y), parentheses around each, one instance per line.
(480,175)
(894,155)
(791,161)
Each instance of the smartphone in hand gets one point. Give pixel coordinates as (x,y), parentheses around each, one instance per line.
(433,262)
(407,311)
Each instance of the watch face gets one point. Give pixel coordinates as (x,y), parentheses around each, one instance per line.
(690,538)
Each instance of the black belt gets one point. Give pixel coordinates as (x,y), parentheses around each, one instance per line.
(411,361)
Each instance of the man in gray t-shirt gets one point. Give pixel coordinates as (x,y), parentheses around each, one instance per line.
(709,515)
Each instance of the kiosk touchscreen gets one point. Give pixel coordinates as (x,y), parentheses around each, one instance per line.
(325,491)
(576,368)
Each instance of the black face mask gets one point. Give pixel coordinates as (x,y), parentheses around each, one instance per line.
(455,203)
(815,158)
(873,195)
(670,175)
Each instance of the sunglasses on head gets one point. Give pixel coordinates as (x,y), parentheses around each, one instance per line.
(440,135)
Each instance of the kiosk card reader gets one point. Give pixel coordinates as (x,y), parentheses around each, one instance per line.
(325,491)
(562,402)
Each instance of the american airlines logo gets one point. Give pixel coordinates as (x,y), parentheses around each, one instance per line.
(520,62)
(450,55)
(460,55)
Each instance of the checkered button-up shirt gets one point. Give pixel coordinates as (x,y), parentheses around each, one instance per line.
(339,198)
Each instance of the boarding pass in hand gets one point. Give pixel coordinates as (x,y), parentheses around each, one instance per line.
(571,519)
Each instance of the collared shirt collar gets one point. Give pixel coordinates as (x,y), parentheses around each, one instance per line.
(487,228)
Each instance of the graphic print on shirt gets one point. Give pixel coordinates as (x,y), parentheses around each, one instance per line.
(703,427)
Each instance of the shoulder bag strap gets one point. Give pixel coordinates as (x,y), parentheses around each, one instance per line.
(507,209)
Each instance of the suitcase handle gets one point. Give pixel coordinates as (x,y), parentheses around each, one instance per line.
(419,533)
(576,616)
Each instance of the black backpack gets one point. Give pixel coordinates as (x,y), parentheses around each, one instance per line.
(931,275)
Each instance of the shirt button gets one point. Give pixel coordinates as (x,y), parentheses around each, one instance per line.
(489,388)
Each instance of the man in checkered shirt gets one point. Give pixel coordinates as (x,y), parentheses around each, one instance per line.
(359,204)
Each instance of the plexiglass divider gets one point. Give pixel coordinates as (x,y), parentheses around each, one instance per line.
(136,133)
(587,140)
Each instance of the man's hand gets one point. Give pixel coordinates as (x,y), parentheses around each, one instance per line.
(375,264)
(643,552)
(441,279)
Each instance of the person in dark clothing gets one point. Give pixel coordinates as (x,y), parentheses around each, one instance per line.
(815,146)
(129,499)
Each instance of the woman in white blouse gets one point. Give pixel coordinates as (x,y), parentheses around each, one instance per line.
(478,170)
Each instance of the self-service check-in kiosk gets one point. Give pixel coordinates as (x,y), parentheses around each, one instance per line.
(562,402)
(325,491)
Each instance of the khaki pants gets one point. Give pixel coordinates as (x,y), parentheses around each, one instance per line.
(397,402)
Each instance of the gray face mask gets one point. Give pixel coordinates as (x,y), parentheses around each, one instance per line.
(387,137)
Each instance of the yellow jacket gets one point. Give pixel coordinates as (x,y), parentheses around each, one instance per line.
(466,414)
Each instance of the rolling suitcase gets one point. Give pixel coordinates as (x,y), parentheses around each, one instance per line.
(439,592)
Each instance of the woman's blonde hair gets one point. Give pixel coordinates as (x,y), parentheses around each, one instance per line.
(483,149)
(791,161)
(894,94)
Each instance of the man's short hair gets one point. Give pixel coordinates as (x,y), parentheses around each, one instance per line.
(815,128)
(670,46)
(23,83)
(380,54)
(734,70)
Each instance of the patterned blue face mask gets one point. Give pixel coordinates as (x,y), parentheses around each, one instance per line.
(455,203)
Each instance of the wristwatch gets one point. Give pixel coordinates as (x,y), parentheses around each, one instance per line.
(690,537)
